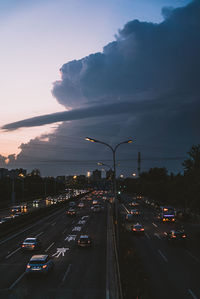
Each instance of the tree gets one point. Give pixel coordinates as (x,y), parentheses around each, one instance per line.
(192,165)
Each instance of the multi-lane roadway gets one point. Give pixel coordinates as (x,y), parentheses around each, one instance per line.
(78,272)
(173,269)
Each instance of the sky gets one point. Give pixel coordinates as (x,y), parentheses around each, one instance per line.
(112,70)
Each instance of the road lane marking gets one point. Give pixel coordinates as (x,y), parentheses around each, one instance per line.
(125,208)
(157,235)
(193,256)
(16,281)
(71,238)
(53,224)
(192,294)
(60,251)
(49,246)
(147,236)
(13,252)
(163,256)
(66,272)
(29,227)
(39,234)
(77,229)
(154,224)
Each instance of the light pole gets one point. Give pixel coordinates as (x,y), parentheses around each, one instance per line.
(113,149)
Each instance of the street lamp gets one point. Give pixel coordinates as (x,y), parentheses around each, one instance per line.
(113,149)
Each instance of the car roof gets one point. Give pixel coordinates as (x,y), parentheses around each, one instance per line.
(84,236)
(32,239)
(137,224)
(39,257)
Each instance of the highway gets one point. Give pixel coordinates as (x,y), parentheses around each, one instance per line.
(78,272)
(173,269)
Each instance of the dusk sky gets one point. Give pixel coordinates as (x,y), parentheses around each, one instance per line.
(112,70)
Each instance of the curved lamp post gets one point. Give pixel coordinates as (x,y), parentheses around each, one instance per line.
(113,149)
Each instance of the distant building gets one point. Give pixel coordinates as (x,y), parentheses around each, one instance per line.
(96,175)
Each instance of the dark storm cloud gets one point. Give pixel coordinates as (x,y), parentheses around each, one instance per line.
(144,84)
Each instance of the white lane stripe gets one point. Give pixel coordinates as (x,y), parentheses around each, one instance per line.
(163,256)
(16,281)
(13,252)
(24,230)
(157,235)
(53,224)
(39,234)
(147,236)
(192,294)
(66,272)
(154,224)
(125,208)
(193,256)
(49,246)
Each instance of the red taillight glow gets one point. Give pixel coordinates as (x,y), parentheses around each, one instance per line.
(23,245)
(32,246)
(44,266)
(28,266)
(142,229)
(184,236)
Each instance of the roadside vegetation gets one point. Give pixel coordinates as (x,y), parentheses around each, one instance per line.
(179,190)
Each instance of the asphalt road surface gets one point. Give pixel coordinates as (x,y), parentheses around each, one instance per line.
(78,273)
(173,269)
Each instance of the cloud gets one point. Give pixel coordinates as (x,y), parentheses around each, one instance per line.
(143,84)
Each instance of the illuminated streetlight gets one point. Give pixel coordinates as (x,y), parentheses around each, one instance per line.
(114,175)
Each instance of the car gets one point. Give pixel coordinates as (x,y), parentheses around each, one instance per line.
(137,228)
(39,264)
(31,244)
(134,212)
(71,212)
(175,236)
(133,204)
(95,202)
(72,204)
(81,205)
(129,217)
(84,241)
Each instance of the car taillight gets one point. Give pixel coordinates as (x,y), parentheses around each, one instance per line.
(88,241)
(28,266)
(173,236)
(184,236)
(79,241)
(142,228)
(44,266)
(33,246)
(23,245)
(134,229)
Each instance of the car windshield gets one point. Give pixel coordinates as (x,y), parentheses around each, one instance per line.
(30,241)
(35,262)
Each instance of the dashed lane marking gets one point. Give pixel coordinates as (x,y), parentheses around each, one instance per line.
(49,246)
(7,257)
(154,224)
(163,256)
(192,294)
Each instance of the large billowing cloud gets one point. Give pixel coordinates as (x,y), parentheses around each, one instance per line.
(144,84)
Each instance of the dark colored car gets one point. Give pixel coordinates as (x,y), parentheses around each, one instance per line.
(40,264)
(71,212)
(31,244)
(84,241)
(138,228)
(175,236)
